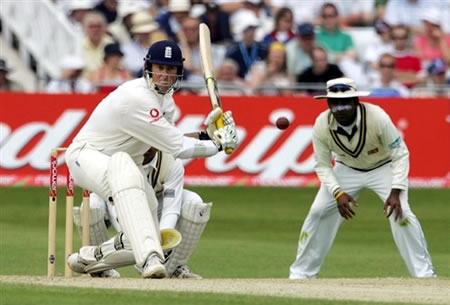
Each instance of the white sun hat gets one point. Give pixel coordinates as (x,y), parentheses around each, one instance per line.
(342,88)
(142,22)
(175,6)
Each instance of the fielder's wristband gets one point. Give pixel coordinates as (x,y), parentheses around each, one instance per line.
(202,135)
(339,194)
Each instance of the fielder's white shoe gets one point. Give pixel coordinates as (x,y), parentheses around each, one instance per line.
(183,272)
(154,268)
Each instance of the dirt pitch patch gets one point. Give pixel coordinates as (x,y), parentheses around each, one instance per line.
(410,291)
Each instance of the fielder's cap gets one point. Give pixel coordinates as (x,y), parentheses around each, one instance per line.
(432,15)
(436,66)
(342,88)
(305,29)
(142,22)
(73,62)
(3,66)
(112,49)
(175,6)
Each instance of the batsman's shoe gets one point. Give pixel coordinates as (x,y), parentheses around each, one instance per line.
(183,272)
(154,268)
(76,263)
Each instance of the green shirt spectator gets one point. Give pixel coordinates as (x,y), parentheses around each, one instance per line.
(335,41)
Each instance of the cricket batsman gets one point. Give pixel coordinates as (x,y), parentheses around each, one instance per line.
(106,155)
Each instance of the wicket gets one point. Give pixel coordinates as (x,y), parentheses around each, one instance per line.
(68,248)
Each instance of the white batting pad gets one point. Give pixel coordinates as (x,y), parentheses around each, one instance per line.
(114,253)
(98,232)
(128,191)
(194,216)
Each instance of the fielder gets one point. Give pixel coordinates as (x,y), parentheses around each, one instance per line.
(369,153)
(106,155)
(178,208)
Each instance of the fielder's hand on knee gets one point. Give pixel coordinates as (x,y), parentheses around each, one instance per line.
(344,204)
(225,137)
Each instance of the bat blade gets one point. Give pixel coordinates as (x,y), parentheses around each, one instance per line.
(209,74)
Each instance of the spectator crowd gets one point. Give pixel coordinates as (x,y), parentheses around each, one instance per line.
(268,47)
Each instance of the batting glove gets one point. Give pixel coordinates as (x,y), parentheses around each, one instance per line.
(225,137)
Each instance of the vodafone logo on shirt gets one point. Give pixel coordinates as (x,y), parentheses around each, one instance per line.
(154,115)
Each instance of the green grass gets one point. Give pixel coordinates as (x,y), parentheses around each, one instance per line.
(253,233)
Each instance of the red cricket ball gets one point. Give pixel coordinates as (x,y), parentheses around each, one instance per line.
(282,123)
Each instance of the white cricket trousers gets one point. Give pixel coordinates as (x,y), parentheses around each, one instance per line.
(323,220)
(138,214)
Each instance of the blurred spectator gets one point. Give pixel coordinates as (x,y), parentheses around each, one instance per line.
(111,73)
(71,80)
(94,41)
(319,73)
(304,13)
(355,13)
(121,28)
(338,43)
(433,43)
(270,77)
(382,45)
(299,50)
(108,8)
(247,51)
(283,23)
(380,8)
(76,11)
(189,42)
(436,85)
(228,80)
(408,66)
(145,31)
(218,22)
(171,21)
(407,12)
(6,83)
(386,85)
(257,7)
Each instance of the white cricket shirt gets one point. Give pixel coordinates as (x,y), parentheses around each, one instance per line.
(376,142)
(131,119)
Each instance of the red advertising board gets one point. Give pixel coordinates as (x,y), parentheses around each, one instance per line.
(32,124)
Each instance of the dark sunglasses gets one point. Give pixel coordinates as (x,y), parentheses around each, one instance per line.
(387,66)
(399,37)
(329,16)
(340,88)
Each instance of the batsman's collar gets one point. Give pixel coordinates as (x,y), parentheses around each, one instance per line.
(342,88)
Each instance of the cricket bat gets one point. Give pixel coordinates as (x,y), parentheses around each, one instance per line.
(208,73)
